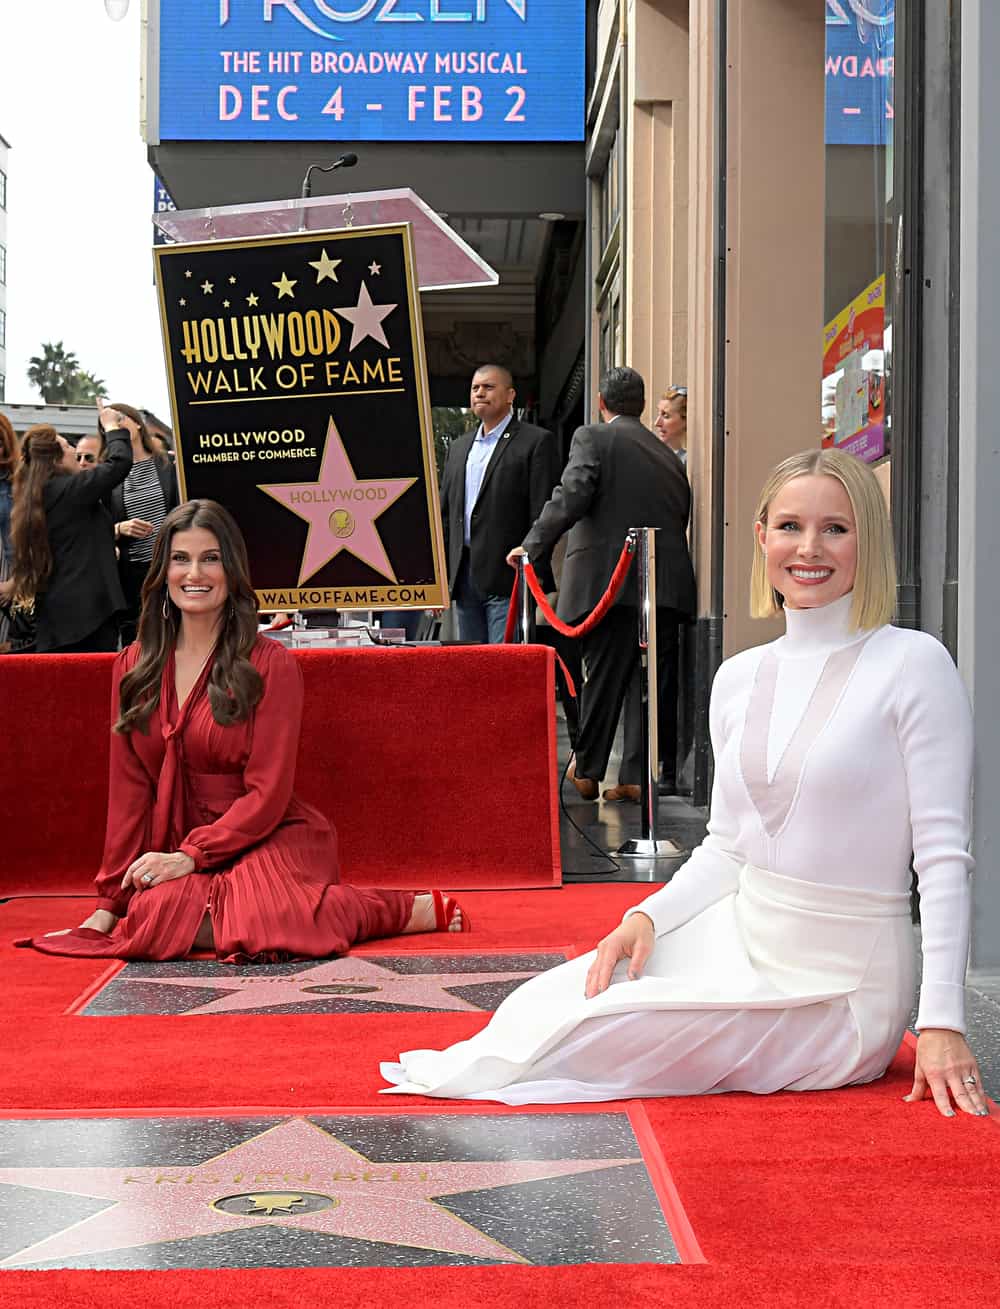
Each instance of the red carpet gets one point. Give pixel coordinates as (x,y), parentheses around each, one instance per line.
(419,757)
(838,1198)
(743,1284)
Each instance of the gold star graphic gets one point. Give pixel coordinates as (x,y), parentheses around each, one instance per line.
(206,287)
(188,273)
(285,287)
(232,281)
(182,302)
(375,269)
(252,299)
(325,267)
(225,304)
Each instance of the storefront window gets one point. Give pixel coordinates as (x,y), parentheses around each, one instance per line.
(861,129)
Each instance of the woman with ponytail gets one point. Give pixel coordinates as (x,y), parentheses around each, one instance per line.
(62,540)
(207,846)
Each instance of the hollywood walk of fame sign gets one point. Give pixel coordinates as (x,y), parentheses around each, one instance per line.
(299,392)
(352,984)
(459,1189)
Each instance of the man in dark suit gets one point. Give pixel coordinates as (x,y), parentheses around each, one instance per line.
(496,480)
(618,476)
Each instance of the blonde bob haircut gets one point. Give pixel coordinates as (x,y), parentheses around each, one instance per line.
(874,601)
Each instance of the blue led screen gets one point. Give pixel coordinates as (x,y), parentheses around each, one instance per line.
(860,53)
(390,70)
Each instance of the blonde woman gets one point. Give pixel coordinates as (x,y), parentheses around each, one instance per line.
(782,955)
(671,424)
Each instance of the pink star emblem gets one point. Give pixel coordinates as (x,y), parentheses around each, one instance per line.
(376,985)
(271,1179)
(340,509)
(366,319)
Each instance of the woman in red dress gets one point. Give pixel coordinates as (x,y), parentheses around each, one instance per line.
(207,846)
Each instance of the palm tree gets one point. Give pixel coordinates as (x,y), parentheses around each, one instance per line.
(84,388)
(53,372)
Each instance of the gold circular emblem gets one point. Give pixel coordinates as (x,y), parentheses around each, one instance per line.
(342,522)
(274,1204)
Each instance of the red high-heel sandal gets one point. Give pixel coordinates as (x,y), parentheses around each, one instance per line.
(445,909)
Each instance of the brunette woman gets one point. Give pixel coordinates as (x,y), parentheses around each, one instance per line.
(8,462)
(207,846)
(62,540)
(138,507)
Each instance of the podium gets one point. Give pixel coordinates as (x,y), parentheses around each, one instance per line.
(444,261)
(298,384)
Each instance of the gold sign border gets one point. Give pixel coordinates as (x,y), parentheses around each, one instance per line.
(436,592)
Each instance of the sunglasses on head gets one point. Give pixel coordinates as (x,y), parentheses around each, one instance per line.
(677,390)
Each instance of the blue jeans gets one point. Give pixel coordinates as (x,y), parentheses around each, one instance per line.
(481,618)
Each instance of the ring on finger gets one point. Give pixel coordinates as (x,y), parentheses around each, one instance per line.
(147,878)
(970,1080)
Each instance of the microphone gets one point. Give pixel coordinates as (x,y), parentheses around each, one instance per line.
(345,161)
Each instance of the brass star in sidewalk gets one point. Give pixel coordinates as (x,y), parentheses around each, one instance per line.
(285,287)
(206,287)
(325,267)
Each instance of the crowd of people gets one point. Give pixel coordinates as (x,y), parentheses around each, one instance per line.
(77,530)
(781,956)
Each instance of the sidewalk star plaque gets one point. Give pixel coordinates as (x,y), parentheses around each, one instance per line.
(300,401)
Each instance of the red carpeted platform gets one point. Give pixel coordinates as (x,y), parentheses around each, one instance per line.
(437,766)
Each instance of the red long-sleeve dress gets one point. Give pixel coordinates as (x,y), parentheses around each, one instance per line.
(266,867)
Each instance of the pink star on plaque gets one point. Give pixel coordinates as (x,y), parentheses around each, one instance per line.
(375,984)
(294,1175)
(366,319)
(340,509)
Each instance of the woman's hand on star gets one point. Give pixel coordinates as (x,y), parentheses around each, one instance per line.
(153,867)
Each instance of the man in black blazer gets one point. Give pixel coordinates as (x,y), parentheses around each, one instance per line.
(618,476)
(496,480)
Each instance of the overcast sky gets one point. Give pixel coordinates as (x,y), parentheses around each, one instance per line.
(79,197)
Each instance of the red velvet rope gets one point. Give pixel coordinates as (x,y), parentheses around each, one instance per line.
(589,623)
(600,609)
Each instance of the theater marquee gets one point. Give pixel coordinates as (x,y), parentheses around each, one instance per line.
(377,70)
(300,402)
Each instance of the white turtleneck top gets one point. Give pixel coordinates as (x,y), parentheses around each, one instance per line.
(838,753)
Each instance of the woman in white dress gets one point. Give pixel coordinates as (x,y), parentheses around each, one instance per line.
(781,955)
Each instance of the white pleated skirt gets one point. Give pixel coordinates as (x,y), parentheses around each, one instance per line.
(784,984)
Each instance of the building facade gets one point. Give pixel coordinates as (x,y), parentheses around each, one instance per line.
(4,150)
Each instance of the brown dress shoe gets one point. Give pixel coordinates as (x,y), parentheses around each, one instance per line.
(624,791)
(586,788)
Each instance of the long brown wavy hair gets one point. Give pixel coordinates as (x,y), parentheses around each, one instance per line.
(41,460)
(234,685)
(8,447)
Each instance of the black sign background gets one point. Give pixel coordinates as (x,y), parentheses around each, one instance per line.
(265,419)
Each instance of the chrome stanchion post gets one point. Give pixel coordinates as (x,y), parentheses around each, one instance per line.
(648,846)
(525,607)
(647,669)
